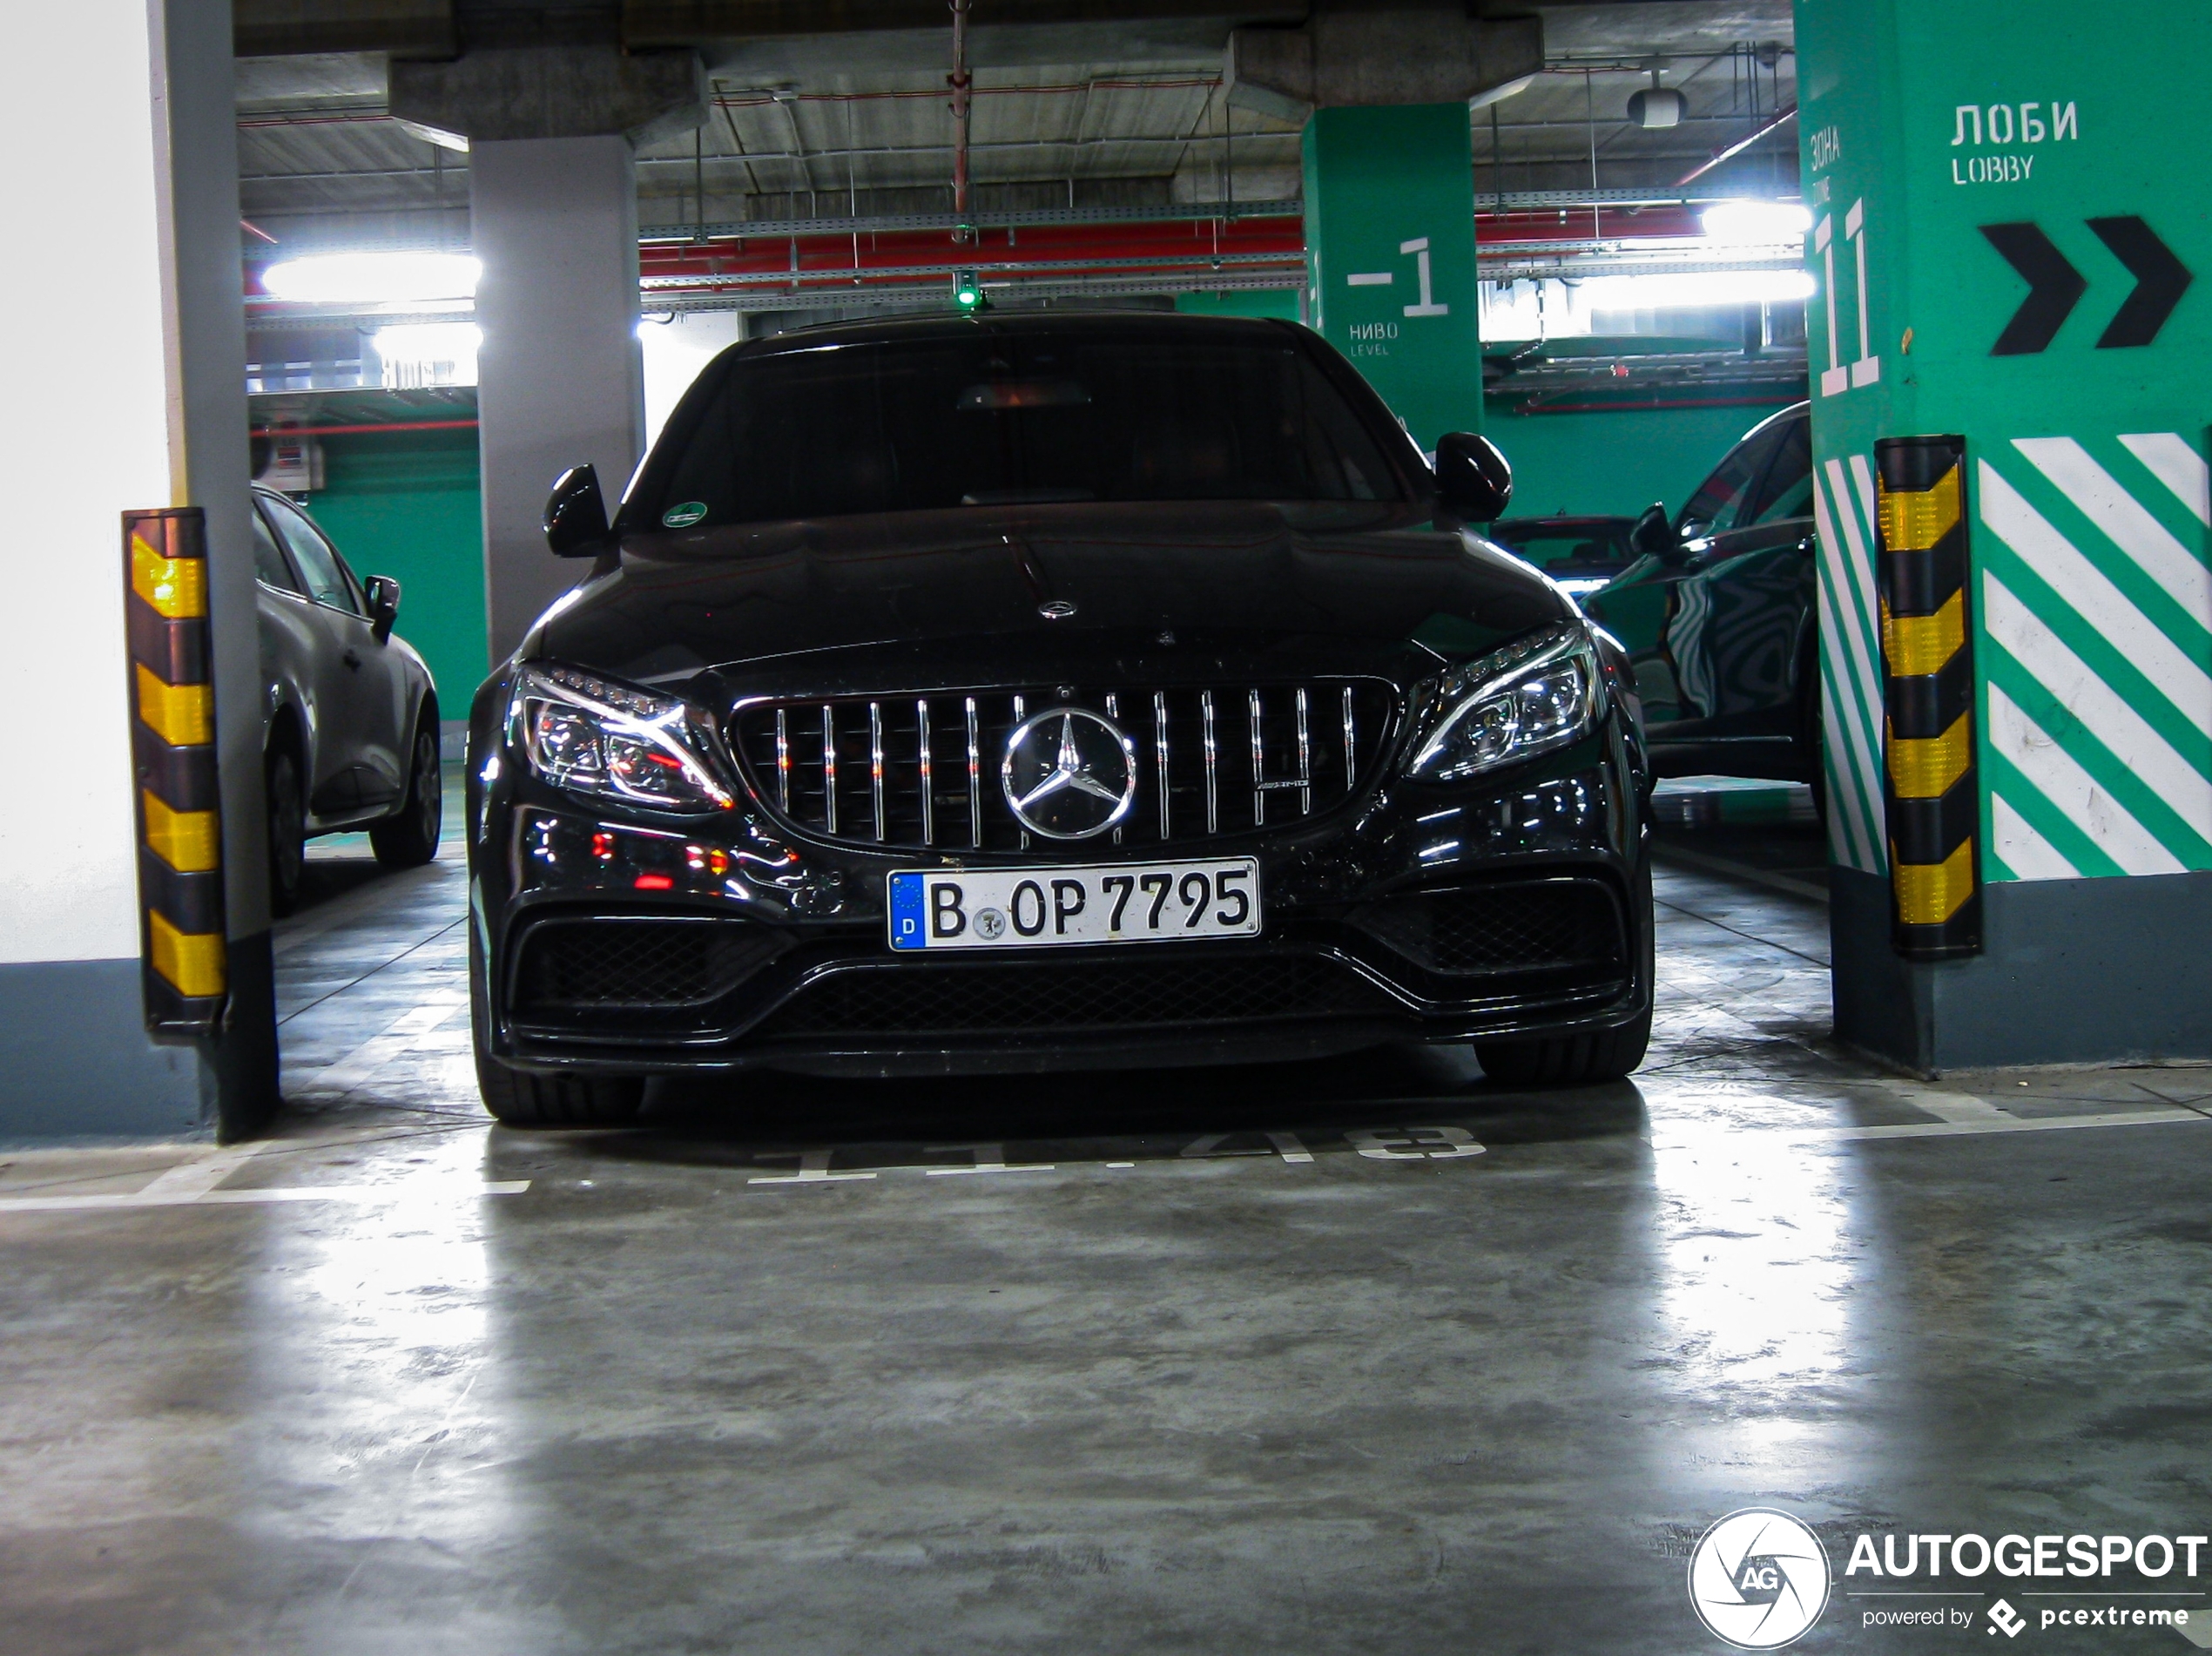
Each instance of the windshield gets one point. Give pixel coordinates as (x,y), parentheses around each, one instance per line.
(1719,504)
(926,423)
(1550,549)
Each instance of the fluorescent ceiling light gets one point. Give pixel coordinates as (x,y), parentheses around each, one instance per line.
(375,278)
(1685,290)
(1763,223)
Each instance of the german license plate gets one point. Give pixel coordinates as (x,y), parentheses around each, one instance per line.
(1121,902)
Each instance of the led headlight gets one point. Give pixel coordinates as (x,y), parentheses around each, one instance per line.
(589,735)
(1535,694)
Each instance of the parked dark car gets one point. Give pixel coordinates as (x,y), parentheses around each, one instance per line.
(1015,693)
(350,736)
(1582,554)
(1718,615)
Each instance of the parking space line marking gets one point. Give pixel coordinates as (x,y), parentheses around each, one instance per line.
(202,1174)
(813,1169)
(1997,1121)
(989,1158)
(357,1194)
(355,1068)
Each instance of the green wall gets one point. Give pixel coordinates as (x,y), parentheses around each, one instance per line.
(1615,462)
(407,505)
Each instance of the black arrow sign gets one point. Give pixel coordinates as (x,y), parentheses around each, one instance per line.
(2054,287)
(2161,280)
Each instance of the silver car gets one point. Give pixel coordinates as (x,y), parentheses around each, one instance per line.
(351,734)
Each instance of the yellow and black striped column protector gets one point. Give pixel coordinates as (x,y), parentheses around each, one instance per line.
(173,747)
(1931,792)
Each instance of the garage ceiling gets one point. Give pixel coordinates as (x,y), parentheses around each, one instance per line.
(1070,110)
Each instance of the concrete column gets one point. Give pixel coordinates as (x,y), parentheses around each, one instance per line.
(2007,218)
(676,349)
(559,378)
(553,197)
(139,402)
(1390,257)
(1385,93)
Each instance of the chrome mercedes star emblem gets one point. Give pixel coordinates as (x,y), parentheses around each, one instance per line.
(1069,775)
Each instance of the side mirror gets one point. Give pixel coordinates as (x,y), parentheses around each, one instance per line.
(383,595)
(1471,477)
(1654,536)
(575,516)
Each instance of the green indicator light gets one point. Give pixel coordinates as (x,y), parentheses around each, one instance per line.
(968,292)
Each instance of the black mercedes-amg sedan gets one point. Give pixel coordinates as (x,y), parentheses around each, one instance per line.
(1019,692)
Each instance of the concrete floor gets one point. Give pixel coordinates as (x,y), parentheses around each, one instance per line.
(1278,1360)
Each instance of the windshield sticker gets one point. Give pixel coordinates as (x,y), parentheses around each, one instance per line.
(684,516)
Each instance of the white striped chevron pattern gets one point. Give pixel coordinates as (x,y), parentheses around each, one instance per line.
(2096,617)
(2093,617)
(1852,674)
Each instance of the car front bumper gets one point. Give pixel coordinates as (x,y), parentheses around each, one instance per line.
(1515,906)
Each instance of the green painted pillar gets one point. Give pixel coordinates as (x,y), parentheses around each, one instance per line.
(1390,257)
(2009,212)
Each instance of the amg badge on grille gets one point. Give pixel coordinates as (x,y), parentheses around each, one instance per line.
(1069,775)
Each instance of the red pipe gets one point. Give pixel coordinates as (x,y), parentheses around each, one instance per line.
(1128,251)
(1068,247)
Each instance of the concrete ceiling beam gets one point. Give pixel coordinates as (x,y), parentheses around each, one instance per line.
(1347,57)
(648,22)
(295,28)
(509,92)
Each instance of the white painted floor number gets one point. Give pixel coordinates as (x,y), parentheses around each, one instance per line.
(1379,1144)
(1413,1143)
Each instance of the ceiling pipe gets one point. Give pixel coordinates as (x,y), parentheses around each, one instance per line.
(1739,147)
(962,84)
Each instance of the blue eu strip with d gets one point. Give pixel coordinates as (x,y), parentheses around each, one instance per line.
(909,929)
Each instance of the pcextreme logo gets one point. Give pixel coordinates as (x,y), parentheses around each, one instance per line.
(1758,1578)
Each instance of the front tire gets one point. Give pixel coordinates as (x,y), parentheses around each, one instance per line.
(1812,732)
(410,839)
(287,810)
(1567,1060)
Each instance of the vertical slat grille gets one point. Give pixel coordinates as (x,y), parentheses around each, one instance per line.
(1160,762)
(974,781)
(921,770)
(876,764)
(928,774)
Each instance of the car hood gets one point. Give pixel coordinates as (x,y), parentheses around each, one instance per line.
(1166,593)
